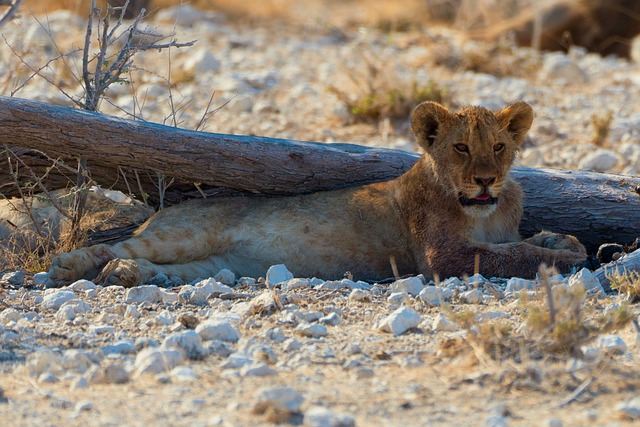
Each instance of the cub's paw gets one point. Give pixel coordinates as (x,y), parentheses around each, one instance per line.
(119,272)
(66,269)
(557,241)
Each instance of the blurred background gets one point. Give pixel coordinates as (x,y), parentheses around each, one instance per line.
(352,70)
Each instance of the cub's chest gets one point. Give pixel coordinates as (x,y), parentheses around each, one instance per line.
(491,230)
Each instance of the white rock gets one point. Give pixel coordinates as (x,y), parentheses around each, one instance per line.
(83,405)
(154,361)
(183,374)
(516,284)
(226,277)
(188,341)
(47,378)
(201,61)
(102,329)
(72,308)
(476,280)
(114,373)
(342,284)
(553,422)
(42,361)
(132,312)
(410,285)
(79,384)
(398,298)
(295,283)
(198,294)
(558,66)
(331,319)
(359,295)
(285,399)
(144,293)
(491,315)
(41,278)
(318,416)
(246,281)
(78,360)
(474,296)
(275,334)
(257,370)
(241,104)
(184,15)
(169,297)
(588,281)
(452,283)
(612,344)
(400,321)
(236,361)
(277,274)
(120,347)
(314,330)
(291,344)
(15,278)
(9,315)
(442,324)
(435,295)
(310,316)
(600,160)
(214,286)
(592,353)
(82,285)
(630,408)
(164,318)
(55,299)
(218,330)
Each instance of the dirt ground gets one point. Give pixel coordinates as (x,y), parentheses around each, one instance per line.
(493,369)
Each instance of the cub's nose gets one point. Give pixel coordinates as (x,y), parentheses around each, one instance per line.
(485,182)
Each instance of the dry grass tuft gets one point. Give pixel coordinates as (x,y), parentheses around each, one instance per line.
(628,284)
(555,325)
(601,124)
(380,93)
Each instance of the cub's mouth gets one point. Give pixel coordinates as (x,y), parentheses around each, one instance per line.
(482,199)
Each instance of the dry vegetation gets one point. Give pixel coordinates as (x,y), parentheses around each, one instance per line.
(545,329)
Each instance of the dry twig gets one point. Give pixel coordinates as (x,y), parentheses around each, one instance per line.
(10,13)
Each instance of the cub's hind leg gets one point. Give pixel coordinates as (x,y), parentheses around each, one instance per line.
(131,272)
(82,263)
(172,236)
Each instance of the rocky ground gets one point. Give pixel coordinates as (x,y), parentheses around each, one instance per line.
(249,351)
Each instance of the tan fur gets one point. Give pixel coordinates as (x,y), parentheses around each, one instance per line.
(418,219)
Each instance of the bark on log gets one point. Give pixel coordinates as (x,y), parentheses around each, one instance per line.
(595,207)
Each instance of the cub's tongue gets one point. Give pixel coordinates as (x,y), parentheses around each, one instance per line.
(482,197)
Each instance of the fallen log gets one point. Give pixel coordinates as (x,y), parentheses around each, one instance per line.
(595,207)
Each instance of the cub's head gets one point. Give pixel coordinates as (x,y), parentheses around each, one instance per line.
(471,150)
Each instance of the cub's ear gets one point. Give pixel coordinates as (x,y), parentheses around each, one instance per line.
(426,119)
(516,119)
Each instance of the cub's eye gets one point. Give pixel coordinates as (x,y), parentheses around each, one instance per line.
(461,148)
(498,148)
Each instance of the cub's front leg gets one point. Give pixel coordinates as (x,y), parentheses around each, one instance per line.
(518,259)
(547,239)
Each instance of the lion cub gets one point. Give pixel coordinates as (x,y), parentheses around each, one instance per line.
(456,203)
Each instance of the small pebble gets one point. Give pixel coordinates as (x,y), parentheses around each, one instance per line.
(318,416)
(473,296)
(411,285)
(314,330)
(278,274)
(400,321)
